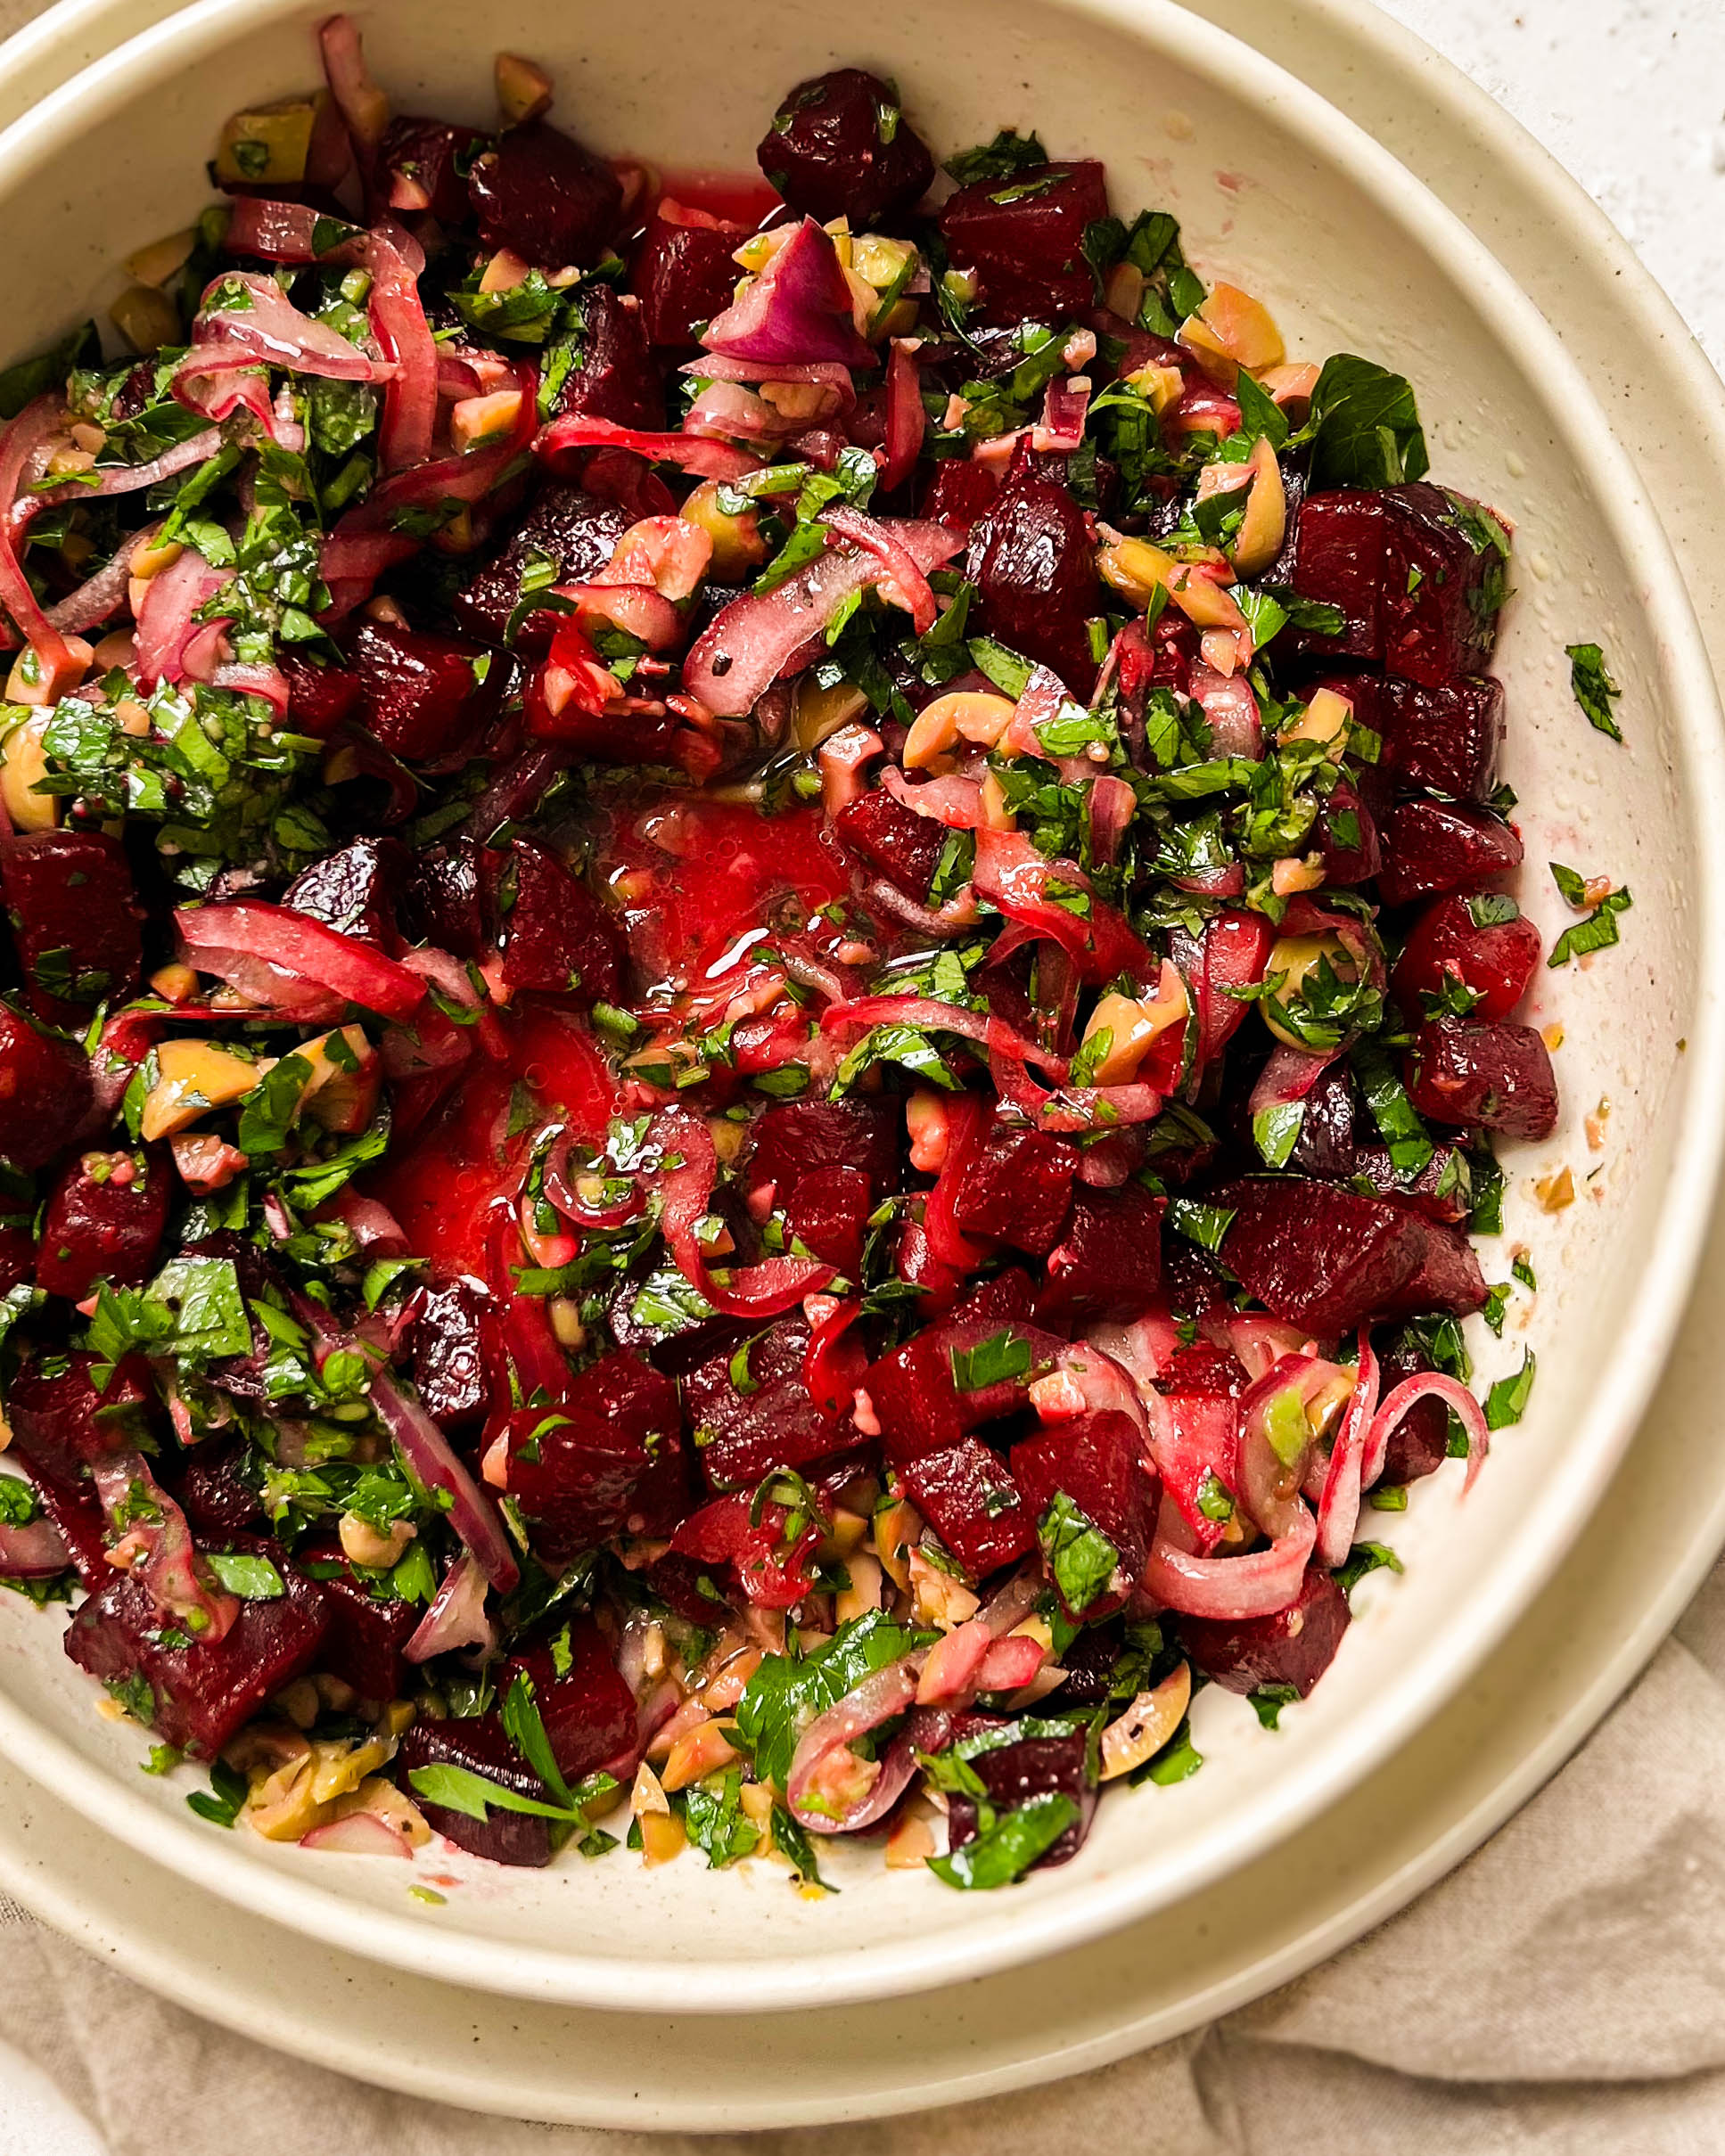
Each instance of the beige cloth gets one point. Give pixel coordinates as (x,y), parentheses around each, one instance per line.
(1563,1993)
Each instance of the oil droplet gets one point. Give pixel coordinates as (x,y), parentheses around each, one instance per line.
(1178,126)
(1516,464)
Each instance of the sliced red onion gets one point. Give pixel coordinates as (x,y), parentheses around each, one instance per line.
(685,1196)
(762,636)
(1112,805)
(822,374)
(880,1697)
(1338,1507)
(166,1563)
(35,1551)
(399,323)
(904,584)
(1065,404)
(358,1835)
(1011,1663)
(1269,1486)
(372,1225)
(1454,1394)
(707,460)
(363,105)
(166,621)
(924,1010)
(1289,1076)
(950,799)
(284,232)
(1231,711)
(638,610)
(99,595)
(256,678)
(129,479)
(951,1671)
(1013,875)
(28,435)
(269,331)
(906,422)
(1257,1585)
(215,383)
(953,917)
(457,1615)
(728,412)
(340,966)
(1258,1342)
(1227,882)
(798,310)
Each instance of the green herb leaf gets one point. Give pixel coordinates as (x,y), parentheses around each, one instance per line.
(251,1579)
(1367,430)
(1364,1559)
(1006,1850)
(1002,1355)
(785,1692)
(1268,1702)
(1507,1402)
(1592,686)
(1079,1555)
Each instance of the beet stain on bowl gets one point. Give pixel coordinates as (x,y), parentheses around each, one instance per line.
(759,981)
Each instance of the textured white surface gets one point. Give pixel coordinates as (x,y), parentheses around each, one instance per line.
(1630,95)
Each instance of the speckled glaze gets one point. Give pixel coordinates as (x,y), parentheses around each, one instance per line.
(1289,198)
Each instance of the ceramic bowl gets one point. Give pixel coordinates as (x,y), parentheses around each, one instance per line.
(1278,191)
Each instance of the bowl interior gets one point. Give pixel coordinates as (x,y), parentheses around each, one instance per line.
(1279,194)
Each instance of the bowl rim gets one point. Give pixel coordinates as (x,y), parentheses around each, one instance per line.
(1647,1327)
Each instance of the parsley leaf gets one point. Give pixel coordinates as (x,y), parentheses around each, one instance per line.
(1592,686)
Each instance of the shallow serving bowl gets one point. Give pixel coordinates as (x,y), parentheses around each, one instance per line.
(1279,194)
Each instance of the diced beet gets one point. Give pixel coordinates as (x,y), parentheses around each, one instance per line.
(431,155)
(548,200)
(685,274)
(1315,1255)
(1094,1458)
(213,1493)
(1417,593)
(77,920)
(970,1500)
(1447,1278)
(753,1548)
(104,1221)
(839,146)
(1326,1144)
(450,1327)
(1108,1260)
(893,840)
(1440,1191)
(577,529)
(1419,1443)
(1012,1774)
(1495,1078)
(916,1391)
(1347,837)
(587,1710)
(442,896)
(607,1460)
(1441,846)
(353,889)
(422,695)
(1446,737)
(1024,238)
(615,377)
(960,493)
(477,1743)
(1496,959)
(1231,954)
(1161,656)
(1018,1186)
(365,1632)
(557,937)
(73,1508)
(1011,1294)
(59,1422)
(17,1257)
(1032,560)
(1192,1283)
(751,1411)
(1294,1646)
(827,1213)
(319,697)
(792,1138)
(45,1091)
(1199,1439)
(201,1695)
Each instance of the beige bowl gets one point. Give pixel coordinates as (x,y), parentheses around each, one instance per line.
(1281,194)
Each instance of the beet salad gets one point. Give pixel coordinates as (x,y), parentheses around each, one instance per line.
(759,981)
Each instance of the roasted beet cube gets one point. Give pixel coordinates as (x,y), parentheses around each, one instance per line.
(1294,1646)
(353,889)
(441,894)
(1018,1186)
(839,146)
(1447,1278)
(1419,1443)
(104,1221)
(945,1382)
(1032,560)
(750,1412)
(213,1493)
(59,1422)
(477,1743)
(1347,837)
(1317,1255)
(450,1327)
(1415,572)
(557,937)
(1024,238)
(794,1138)
(615,377)
(1440,1190)
(960,493)
(893,840)
(1196,1442)
(756,1550)
(1494,958)
(548,200)
(1012,1774)
(77,920)
(1108,1260)
(319,697)
(1325,1145)
(1094,1460)
(577,531)
(425,697)
(966,1494)
(683,272)
(827,1213)
(73,1509)
(17,1257)
(423,164)
(1493,1078)
(198,1697)
(366,1629)
(587,1710)
(607,1461)
(1446,737)
(1441,846)
(45,1092)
